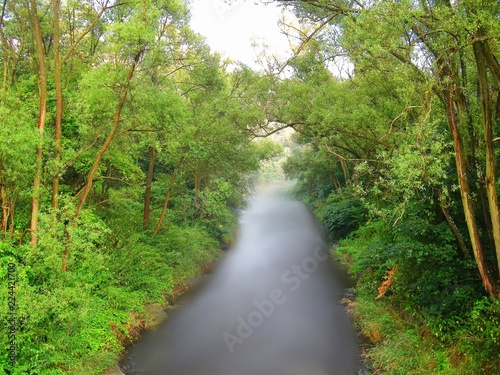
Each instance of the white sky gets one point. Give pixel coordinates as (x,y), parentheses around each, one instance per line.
(230,29)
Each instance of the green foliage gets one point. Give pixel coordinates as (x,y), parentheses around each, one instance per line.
(343,217)
(404,345)
(82,290)
(400,345)
(312,171)
(479,336)
(394,132)
(64,317)
(435,285)
(432,277)
(70,322)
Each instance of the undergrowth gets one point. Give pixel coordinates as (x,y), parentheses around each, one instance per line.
(419,301)
(77,321)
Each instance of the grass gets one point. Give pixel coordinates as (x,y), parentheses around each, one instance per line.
(400,345)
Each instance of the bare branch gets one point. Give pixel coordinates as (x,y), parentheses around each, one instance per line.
(305,42)
(397,118)
(73,46)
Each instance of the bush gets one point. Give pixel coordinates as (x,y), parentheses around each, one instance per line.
(63,319)
(478,339)
(75,321)
(343,217)
(435,291)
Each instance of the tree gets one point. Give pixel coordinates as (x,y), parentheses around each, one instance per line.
(42,92)
(443,50)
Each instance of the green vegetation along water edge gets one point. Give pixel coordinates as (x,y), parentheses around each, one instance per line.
(126,145)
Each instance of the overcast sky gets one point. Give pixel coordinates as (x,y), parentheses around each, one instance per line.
(231,29)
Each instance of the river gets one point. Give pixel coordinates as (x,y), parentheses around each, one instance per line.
(272,306)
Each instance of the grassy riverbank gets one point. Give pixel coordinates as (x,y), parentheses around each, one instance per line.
(79,321)
(421,323)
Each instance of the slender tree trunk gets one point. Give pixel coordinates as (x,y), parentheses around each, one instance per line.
(147,195)
(109,139)
(347,177)
(171,184)
(490,177)
(169,192)
(336,182)
(42,89)
(197,188)
(90,178)
(453,226)
(489,58)
(466,201)
(59,106)
(11,214)
(6,53)
(5,209)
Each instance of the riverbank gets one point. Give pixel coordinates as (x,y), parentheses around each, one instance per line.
(154,316)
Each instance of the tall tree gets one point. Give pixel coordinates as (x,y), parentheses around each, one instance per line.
(444,47)
(42,92)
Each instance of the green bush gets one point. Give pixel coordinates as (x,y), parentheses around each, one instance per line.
(434,285)
(71,322)
(478,338)
(343,217)
(63,319)
(152,265)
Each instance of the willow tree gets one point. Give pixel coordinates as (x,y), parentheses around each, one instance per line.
(451,48)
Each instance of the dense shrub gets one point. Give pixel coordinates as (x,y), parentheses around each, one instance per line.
(343,217)
(435,284)
(75,321)
(64,317)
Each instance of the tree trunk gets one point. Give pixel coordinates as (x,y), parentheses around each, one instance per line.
(42,89)
(5,209)
(453,226)
(197,187)
(109,139)
(490,177)
(147,195)
(171,184)
(90,178)
(336,182)
(6,53)
(169,192)
(59,106)
(466,201)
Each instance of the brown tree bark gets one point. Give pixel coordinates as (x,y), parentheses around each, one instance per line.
(147,195)
(453,225)
(59,106)
(42,89)
(466,200)
(90,178)
(5,209)
(490,177)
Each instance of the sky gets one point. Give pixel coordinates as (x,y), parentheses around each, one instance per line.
(230,29)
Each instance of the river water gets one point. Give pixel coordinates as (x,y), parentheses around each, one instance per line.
(272,306)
